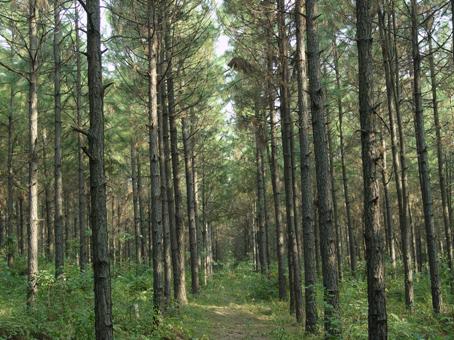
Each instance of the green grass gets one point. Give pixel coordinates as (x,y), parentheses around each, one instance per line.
(237,304)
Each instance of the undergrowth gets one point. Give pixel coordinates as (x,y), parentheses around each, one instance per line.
(63,308)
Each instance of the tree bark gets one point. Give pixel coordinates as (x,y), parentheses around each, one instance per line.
(187,145)
(387,208)
(309,252)
(378,326)
(143,224)
(135,202)
(423,163)
(286,131)
(260,188)
(391,66)
(83,251)
(11,246)
(340,112)
(276,183)
(333,195)
(98,211)
(33,155)
(325,204)
(441,177)
(179,274)
(58,183)
(155,182)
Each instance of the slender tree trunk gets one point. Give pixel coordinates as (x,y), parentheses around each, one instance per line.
(333,195)
(58,183)
(340,112)
(155,182)
(83,256)
(11,246)
(387,208)
(46,225)
(179,274)
(399,160)
(33,155)
(441,177)
(260,187)
(187,143)
(423,163)
(325,204)
(286,130)
(274,169)
(205,228)
(143,224)
(309,251)
(170,192)
(98,211)
(378,326)
(135,203)
(21,224)
(162,106)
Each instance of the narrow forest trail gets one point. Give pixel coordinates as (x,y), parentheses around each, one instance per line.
(238,305)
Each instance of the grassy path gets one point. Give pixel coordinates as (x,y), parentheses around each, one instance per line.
(238,305)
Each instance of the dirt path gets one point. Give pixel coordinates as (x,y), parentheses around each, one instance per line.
(229,309)
(234,321)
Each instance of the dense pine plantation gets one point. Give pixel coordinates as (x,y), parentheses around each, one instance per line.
(208,169)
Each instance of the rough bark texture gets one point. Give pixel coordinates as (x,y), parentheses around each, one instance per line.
(33,155)
(143,224)
(325,204)
(58,184)
(333,194)
(276,182)
(309,252)
(187,143)
(10,246)
(98,211)
(286,131)
(179,274)
(439,142)
(388,217)
(391,65)
(348,214)
(163,172)
(260,190)
(83,251)
(378,327)
(155,182)
(423,163)
(135,203)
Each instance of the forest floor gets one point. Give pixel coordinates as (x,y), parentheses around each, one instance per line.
(237,303)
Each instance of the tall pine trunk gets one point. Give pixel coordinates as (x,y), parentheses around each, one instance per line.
(155,182)
(58,183)
(423,163)
(33,155)
(286,131)
(378,326)
(83,248)
(187,145)
(98,211)
(325,204)
(439,142)
(179,273)
(309,252)
(348,214)
(11,246)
